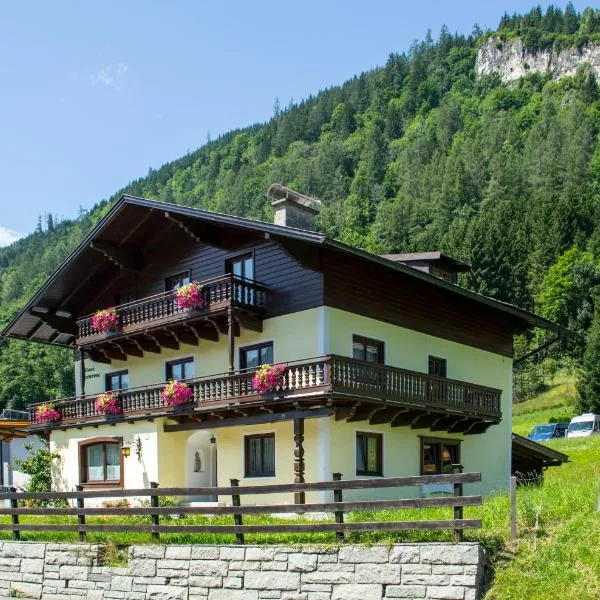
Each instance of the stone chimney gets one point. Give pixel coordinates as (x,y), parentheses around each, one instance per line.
(293,209)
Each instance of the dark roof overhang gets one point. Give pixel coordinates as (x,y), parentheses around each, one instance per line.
(533,451)
(47,316)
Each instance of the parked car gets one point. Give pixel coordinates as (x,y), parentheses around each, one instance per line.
(584,425)
(548,431)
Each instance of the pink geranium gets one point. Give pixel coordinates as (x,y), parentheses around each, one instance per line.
(269,378)
(108,404)
(106,320)
(46,413)
(176,393)
(190,296)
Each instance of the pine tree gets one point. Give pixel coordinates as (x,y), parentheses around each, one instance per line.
(589,383)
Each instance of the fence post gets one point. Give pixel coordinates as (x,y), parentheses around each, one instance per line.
(154,517)
(339,514)
(513,509)
(81,517)
(458,510)
(14,503)
(237,518)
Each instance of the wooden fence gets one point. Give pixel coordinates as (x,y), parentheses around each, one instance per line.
(235,492)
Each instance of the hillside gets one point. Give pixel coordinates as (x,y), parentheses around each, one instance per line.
(416,155)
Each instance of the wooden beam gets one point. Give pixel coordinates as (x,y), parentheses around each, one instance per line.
(461,425)
(204,332)
(164,341)
(251,420)
(207,235)
(58,323)
(230,341)
(444,423)
(342,412)
(114,353)
(476,427)
(126,260)
(98,356)
(365,413)
(219,324)
(147,345)
(249,321)
(426,420)
(406,417)
(384,416)
(185,335)
(128,348)
(299,497)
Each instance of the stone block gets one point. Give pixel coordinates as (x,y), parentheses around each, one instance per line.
(233,595)
(178,552)
(205,552)
(447,569)
(405,554)
(364,554)
(331,577)
(405,591)
(142,567)
(272,580)
(72,572)
(417,579)
(23,550)
(173,565)
(232,553)
(445,592)
(451,554)
(465,580)
(377,573)
(20,589)
(166,592)
(209,568)
(302,563)
(233,582)
(357,592)
(418,570)
(121,583)
(254,553)
(147,551)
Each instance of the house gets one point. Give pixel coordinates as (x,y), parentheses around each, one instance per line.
(14,442)
(388,369)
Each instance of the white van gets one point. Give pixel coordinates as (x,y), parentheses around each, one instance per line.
(584,425)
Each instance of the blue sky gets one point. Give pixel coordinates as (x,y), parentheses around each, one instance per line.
(95,93)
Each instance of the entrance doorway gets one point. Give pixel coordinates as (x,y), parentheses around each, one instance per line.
(201,463)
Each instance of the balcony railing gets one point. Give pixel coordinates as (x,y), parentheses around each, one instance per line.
(161,309)
(334,376)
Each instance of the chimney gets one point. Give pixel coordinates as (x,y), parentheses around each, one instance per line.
(293,209)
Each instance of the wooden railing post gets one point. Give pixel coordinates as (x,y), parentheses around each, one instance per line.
(154,517)
(458,510)
(81,517)
(237,517)
(14,503)
(513,509)
(339,514)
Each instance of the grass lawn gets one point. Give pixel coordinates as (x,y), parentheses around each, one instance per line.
(557,554)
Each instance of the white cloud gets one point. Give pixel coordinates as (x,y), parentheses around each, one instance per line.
(109,75)
(8,236)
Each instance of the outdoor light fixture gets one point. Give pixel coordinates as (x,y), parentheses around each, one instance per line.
(125,451)
(212,439)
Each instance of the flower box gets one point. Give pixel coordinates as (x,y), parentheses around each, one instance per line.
(269,378)
(176,393)
(190,296)
(106,320)
(108,403)
(46,413)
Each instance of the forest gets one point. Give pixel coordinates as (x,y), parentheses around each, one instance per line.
(419,154)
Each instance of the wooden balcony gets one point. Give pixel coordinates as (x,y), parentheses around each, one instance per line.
(349,388)
(141,318)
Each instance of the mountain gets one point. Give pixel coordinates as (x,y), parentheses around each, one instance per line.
(423,153)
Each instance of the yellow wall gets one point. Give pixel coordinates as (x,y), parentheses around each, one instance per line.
(489,452)
(294,336)
(137,473)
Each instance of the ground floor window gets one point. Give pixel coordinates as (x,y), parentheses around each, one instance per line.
(369,453)
(180,369)
(251,357)
(100,461)
(259,453)
(119,380)
(438,456)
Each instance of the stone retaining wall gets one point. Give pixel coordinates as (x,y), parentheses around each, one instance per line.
(72,571)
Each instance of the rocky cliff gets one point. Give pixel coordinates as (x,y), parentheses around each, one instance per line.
(511,60)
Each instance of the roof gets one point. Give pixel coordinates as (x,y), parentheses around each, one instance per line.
(530,450)
(437,256)
(82,265)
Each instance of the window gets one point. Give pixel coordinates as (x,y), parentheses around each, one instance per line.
(438,456)
(180,369)
(366,349)
(116,381)
(252,357)
(242,267)
(100,461)
(369,453)
(176,281)
(124,299)
(259,453)
(437,366)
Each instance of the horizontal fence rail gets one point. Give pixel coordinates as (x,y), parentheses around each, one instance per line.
(219,292)
(235,493)
(329,374)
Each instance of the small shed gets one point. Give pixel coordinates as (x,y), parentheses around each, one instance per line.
(530,459)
